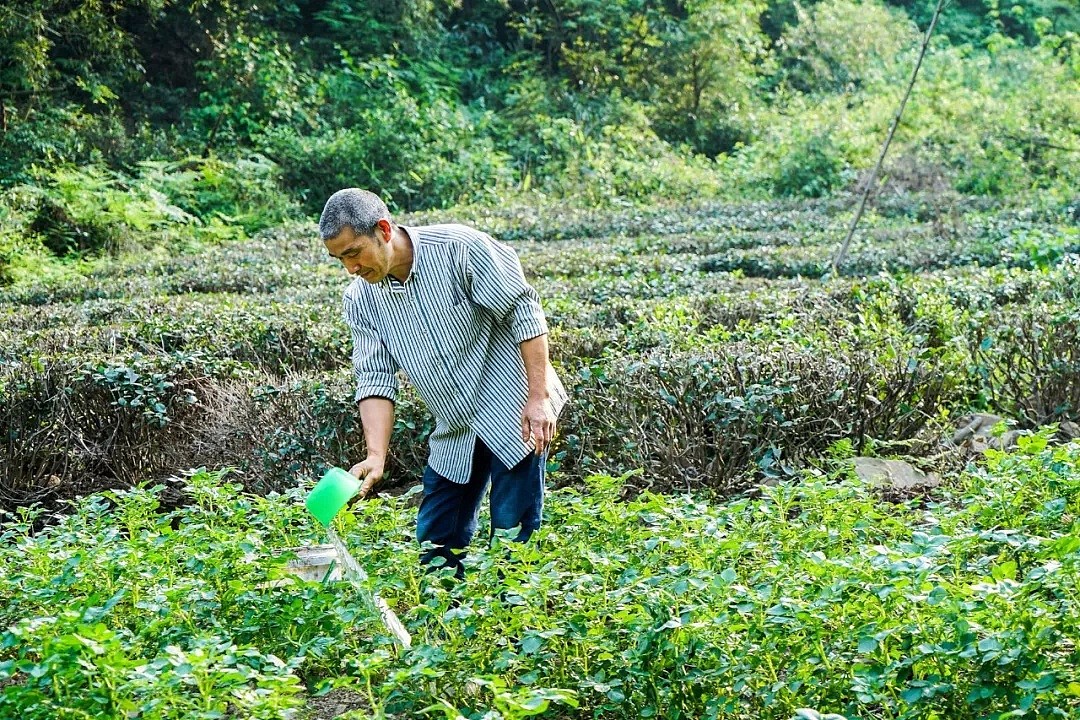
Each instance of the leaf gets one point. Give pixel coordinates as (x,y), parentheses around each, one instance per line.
(811,714)
(531,644)
(1004,571)
(912,695)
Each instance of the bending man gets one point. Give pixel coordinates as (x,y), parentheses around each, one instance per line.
(451,307)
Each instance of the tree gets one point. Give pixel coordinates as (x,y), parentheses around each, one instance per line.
(843,45)
(706,73)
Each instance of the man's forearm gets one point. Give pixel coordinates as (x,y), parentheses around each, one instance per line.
(534,353)
(377,416)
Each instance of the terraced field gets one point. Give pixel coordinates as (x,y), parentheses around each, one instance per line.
(701,344)
(704,352)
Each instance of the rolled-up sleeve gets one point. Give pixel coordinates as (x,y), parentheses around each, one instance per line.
(373,365)
(496,282)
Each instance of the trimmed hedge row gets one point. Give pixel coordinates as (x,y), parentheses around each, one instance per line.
(720,416)
(764,373)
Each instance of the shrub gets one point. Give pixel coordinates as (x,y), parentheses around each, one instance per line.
(1029,361)
(811,594)
(246,192)
(251,82)
(693,420)
(93,210)
(813,167)
(95,420)
(303,425)
(416,149)
(765,373)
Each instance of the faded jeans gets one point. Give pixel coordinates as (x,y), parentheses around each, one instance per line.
(449,512)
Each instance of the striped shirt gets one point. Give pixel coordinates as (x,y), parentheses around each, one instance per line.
(454,327)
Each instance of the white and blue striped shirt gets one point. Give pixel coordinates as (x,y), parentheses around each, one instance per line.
(454,327)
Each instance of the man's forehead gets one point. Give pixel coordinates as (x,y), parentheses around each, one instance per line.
(341,242)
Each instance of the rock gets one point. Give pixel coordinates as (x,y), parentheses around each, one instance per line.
(976,432)
(977,423)
(1069,429)
(894,474)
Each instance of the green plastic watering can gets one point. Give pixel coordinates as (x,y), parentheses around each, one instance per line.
(330,494)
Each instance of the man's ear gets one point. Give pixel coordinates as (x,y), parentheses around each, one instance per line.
(386,230)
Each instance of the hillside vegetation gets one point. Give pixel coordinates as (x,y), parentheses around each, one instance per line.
(135,124)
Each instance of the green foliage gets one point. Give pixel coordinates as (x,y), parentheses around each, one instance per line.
(624,161)
(436,104)
(91,210)
(816,594)
(416,151)
(811,167)
(244,193)
(252,83)
(843,45)
(51,47)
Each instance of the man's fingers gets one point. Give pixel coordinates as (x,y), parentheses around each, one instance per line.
(366,487)
(549,433)
(542,439)
(526,429)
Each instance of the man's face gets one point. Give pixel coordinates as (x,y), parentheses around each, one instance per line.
(367,256)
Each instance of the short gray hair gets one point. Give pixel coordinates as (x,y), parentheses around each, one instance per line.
(358,209)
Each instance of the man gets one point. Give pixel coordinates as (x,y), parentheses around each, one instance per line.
(451,307)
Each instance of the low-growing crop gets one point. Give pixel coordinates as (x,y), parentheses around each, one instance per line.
(815,595)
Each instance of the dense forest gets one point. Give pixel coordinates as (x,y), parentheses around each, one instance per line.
(125,120)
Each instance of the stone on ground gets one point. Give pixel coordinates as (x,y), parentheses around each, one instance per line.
(894,474)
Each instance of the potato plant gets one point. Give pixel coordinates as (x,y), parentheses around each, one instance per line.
(814,596)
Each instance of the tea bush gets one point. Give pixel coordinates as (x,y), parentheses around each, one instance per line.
(704,420)
(705,378)
(97,419)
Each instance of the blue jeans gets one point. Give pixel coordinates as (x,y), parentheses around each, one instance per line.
(448,514)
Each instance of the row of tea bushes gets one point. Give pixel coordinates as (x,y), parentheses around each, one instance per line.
(1024,248)
(719,414)
(255,374)
(767,240)
(301,332)
(559,222)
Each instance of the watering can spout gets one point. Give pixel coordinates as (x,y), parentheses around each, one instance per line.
(325,500)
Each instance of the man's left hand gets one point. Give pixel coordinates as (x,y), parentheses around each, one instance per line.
(538,423)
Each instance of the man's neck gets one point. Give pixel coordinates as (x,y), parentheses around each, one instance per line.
(403,254)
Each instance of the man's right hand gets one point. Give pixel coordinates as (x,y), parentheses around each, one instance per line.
(370,473)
